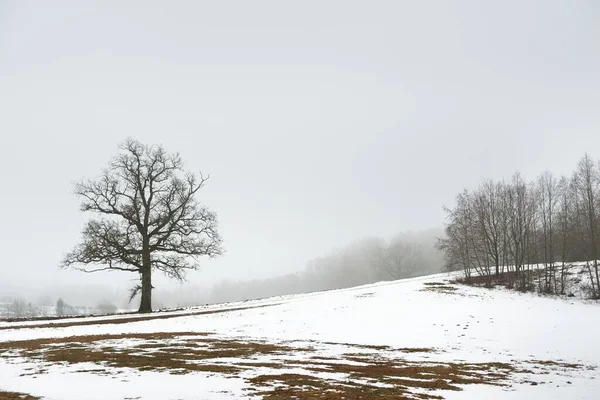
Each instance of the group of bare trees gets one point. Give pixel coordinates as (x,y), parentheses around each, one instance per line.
(528,232)
(18,307)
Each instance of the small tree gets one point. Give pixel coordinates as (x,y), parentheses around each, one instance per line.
(150,219)
(60,307)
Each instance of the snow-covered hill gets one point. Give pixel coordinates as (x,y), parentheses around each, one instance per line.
(417,338)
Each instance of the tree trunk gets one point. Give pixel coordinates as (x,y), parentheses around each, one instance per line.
(597,279)
(146,301)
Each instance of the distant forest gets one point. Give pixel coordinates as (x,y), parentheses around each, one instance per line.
(364,261)
(509,227)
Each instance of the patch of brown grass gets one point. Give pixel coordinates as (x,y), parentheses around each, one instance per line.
(407,350)
(373,378)
(83,340)
(360,346)
(557,364)
(192,351)
(377,347)
(383,347)
(417,350)
(16,396)
(307,387)
(432,375)
(439,288)
(254,364)
(365,374)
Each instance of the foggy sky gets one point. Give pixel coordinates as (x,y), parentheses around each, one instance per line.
(320,122)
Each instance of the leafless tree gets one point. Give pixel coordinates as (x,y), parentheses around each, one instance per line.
(587,184)
(564,229)
(149,219)
(61,307)
(488,209)
(458,243)
(398,260)
(548,198)
(522,218)
(19,308)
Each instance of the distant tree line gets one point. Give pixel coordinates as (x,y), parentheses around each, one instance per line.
(365,261)
(17,307)
(528,232)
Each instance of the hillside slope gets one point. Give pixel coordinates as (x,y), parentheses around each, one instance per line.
(418,338)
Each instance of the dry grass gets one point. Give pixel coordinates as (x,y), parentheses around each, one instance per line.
(394,379)
(557,364)
(439,287)
(524,281)
(380,380)
(360,346)
(78,341)
(369,372)
(416,350)
(379,348)
(179,353)
(16,396)
(307,387)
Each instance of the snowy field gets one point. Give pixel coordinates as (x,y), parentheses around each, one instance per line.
(422,338)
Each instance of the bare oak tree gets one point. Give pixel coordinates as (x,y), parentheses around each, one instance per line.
(398,260)
(149,219)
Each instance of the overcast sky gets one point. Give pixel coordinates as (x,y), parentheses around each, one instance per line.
(320,122)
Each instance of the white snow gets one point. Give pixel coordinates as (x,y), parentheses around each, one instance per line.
(470,324)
